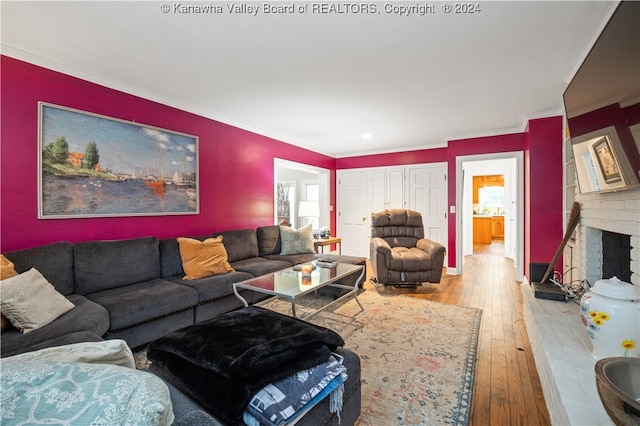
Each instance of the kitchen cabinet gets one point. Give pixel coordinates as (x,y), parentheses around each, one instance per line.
(482,229)
(497,227)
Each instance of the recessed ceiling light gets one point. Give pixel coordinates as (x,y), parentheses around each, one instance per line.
(366,136)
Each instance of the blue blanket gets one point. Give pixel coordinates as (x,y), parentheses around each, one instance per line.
(287,399)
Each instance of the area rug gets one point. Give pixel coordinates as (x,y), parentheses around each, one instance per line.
(418,357)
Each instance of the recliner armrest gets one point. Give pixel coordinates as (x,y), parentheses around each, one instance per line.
(433,248)
(380,246)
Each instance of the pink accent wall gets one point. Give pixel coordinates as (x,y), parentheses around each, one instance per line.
(236,166)
(543,182)
(475,146)
(424,156)
(543,191)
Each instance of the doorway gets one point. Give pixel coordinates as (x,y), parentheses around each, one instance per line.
(296,184)
(510,165)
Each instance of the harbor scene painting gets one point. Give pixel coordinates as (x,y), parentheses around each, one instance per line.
(95,166)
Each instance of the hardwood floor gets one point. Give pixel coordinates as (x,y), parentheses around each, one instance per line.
(507,388)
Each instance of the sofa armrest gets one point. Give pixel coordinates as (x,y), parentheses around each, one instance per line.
(431,247)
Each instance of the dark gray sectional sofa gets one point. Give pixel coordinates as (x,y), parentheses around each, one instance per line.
(134,290)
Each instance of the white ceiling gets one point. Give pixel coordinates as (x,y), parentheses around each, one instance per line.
(322,80)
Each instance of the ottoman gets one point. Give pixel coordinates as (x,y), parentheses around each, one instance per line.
(221,363)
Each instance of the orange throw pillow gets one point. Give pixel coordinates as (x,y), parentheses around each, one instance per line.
(203,258)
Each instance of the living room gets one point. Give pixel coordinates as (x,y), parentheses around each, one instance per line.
(236,164)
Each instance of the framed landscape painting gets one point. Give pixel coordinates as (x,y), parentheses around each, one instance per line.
(95,166)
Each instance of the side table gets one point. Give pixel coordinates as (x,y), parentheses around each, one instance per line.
(321,242)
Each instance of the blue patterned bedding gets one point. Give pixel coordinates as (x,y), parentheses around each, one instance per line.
(77,393)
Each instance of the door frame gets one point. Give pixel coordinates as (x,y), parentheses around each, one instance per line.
(323,177)
(460,228)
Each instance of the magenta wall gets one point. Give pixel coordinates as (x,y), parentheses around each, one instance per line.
(543,181)
(236,166)
(423,156)
(475,146)
(543,191)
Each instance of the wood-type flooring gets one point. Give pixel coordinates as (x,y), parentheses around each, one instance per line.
(507,388)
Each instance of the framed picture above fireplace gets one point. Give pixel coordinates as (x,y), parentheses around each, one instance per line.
(607,162)
(600,161)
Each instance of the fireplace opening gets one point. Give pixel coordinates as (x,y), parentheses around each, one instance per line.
(616,256)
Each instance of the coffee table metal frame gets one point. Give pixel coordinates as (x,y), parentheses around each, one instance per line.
(286,284)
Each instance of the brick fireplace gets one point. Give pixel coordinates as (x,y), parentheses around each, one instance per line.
(617,213)
(559,342)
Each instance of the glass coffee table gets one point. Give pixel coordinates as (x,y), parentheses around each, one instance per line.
(288,284)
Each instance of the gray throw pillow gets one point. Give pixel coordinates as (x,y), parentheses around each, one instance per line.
(296,241)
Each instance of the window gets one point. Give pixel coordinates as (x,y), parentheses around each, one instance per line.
(492,199)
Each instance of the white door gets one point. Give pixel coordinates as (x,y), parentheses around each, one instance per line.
(427,194)
(352,212)
(378,190)
(510,213)
(395,188)
(386,189)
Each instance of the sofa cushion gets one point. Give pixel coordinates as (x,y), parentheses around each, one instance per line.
(202,259)
(257,266)
(296,241)
(87,316)
(240,244)
(54,261)
(293,259)
(268,240)
(30,302)
(144,301)
(213,287)
(102,265)
(410,259)
(170,259)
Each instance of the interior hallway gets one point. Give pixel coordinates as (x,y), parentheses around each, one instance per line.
(507,388)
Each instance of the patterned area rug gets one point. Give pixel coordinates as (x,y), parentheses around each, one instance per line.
(417,356)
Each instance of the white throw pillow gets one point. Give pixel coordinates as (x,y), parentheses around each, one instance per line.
(296,241)
(30,302)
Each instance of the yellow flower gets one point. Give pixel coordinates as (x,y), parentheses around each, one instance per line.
(604,316)
(598,321)
(593,314)
(628,344)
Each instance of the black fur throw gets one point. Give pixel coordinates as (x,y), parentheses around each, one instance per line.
(223,362)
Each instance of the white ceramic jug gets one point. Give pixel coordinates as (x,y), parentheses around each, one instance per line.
(610,312)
